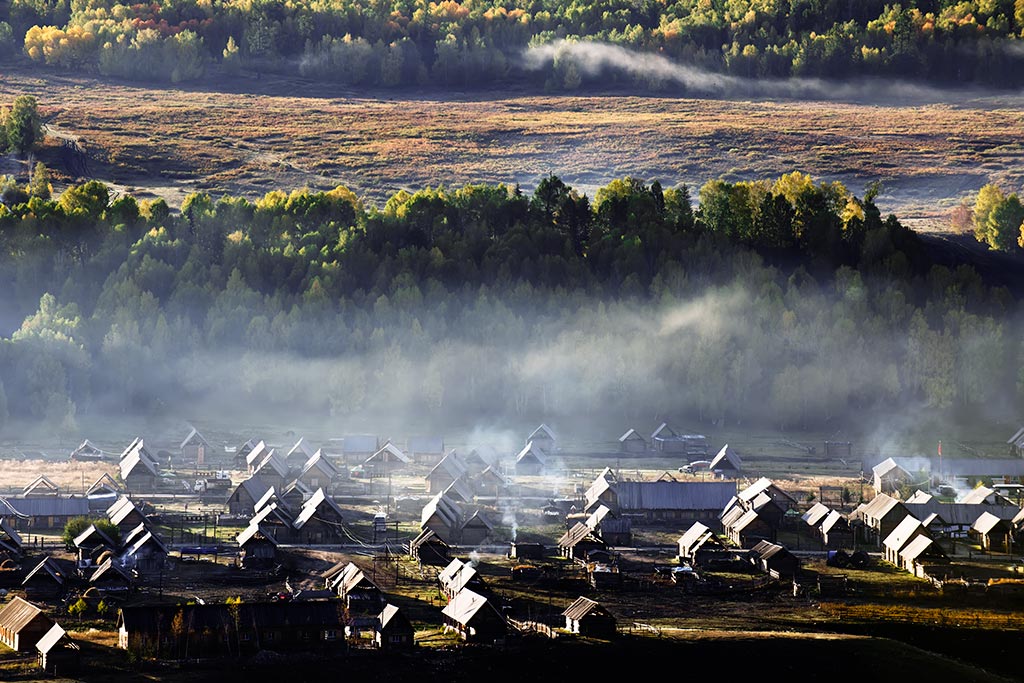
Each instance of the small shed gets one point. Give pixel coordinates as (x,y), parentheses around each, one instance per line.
(632,442)
(258,548)
(587,617)
(429,548)
(394,630)
(56,653)
(474,618)
(194,448)
(727,462)
(993,533)
(774,559)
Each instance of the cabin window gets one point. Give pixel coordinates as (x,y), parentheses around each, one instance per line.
(246,637)
(314,482)
(395,638)
(330,634)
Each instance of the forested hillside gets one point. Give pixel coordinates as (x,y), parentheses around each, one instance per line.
(473,44)
(784,302)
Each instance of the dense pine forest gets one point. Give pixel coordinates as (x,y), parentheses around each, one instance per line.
(474,44)
(783,302)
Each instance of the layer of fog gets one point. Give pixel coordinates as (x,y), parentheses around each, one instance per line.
(592,59)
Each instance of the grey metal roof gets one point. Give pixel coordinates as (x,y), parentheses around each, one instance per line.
(48,506)
(673,495)
(960,514)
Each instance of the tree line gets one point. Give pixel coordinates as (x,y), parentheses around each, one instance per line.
(785,302)
(403,42)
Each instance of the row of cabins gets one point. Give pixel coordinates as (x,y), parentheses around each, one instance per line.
(664,439)
(111,565)
(317,520)
(446,518)
(892,475)
(985,517)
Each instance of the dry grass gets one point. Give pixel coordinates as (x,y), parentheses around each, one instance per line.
(70,477)
(291,134)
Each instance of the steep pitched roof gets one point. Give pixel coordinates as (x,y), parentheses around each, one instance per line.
(632,435)
(391,616)
(194,438)
(581,607)
(815,514)
(47,567)
(104,483)
(120,509)
(984,494)
(93,535)
(921,546)
(41,485)
(450,464)
(302,448)
(727,458)
(273,463)
(318,462)
(697,535)
(441,505)
(318,504)
(17,614)
(52,638)
(257,454)
(254,532)
(986,523)
(663,432)
(903,532)
(464,606)
(389,452)
(531,452)
(888,466)
(917,497)
(577,533)
(87,448)
(136,457)
(543,431)
(834,520)
(10,532)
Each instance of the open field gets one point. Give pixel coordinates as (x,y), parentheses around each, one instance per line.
(249,136)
